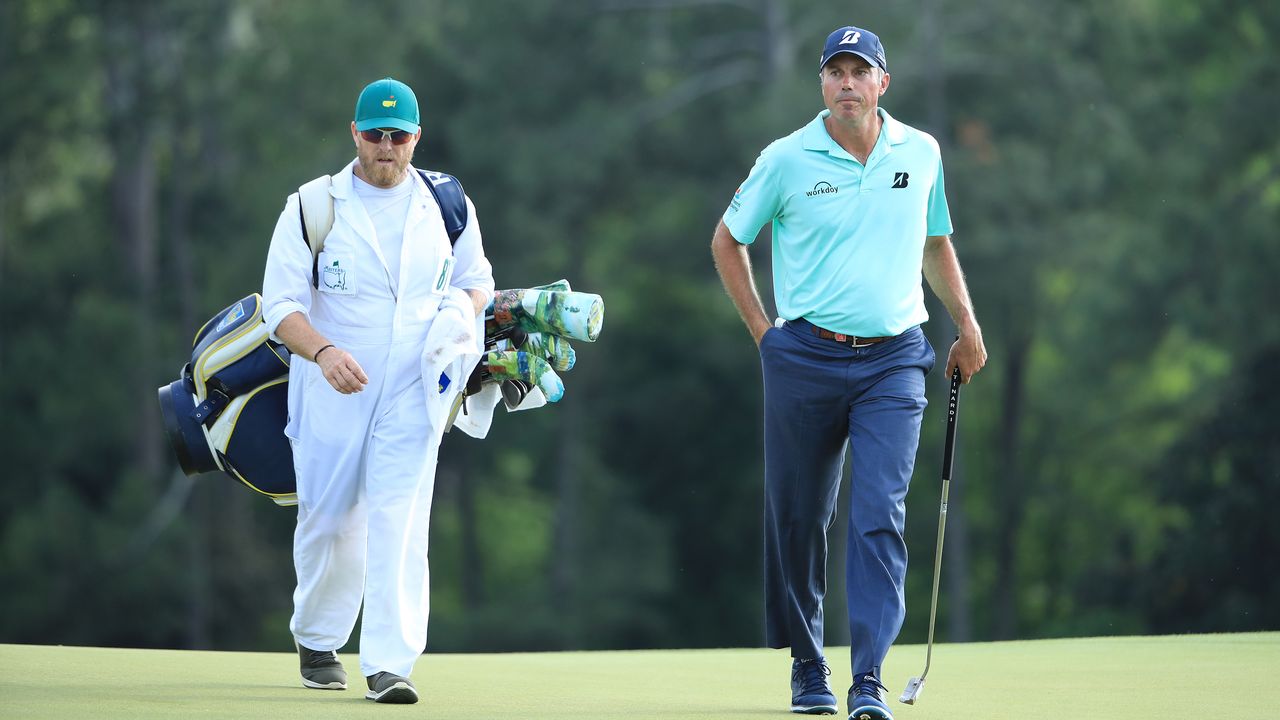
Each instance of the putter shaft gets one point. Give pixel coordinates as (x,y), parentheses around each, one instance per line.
(912,692)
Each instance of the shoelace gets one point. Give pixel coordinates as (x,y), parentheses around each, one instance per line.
(868,685)
(812,676)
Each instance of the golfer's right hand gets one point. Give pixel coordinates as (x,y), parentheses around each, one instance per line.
(342,371)
(759,329)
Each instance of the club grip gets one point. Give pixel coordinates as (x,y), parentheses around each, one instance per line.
(953,407)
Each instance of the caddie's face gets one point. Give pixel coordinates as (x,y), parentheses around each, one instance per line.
(851,87)
(383,163)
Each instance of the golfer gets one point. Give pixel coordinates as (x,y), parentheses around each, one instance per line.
(364,443)
(858,210)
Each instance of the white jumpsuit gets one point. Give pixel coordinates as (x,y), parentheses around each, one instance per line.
(365,462)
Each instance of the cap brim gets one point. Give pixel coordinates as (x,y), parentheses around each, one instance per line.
(386,122)
(870,60)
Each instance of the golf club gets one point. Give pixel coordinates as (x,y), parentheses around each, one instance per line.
(915,684)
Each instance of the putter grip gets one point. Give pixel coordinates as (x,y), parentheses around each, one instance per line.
(953,407)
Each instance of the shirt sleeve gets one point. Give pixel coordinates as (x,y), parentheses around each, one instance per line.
(286,283)
(938,215)
(473,271)
(755,203)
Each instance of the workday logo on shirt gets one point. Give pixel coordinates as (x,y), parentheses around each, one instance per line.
(822,188)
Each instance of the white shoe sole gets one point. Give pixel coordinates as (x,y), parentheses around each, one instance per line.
(814,709)
(402,693)
(335,685)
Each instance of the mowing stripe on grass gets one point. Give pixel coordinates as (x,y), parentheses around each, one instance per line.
(1134,678)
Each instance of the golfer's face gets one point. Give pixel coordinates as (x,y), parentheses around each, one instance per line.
(851,87)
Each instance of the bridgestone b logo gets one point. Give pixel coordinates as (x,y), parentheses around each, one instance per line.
(822,188)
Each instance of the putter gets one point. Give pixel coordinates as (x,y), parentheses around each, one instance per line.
(915,684)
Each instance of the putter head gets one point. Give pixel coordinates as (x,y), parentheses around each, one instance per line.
(914,685)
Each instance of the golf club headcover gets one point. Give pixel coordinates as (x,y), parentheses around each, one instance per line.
(520,365)
(555,349)
(574,315)
(561,284)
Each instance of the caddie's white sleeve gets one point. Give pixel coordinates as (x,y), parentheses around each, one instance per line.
(286,284)
(473,271)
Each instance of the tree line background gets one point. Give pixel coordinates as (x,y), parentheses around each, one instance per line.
(1113,171)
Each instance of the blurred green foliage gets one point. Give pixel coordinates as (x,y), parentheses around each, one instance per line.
(1114,175)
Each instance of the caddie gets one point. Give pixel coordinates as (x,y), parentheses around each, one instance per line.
(858,211)
(364,320)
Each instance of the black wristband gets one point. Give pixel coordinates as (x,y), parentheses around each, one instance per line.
(316,358)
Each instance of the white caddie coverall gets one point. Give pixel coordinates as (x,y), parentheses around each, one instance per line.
(366,462)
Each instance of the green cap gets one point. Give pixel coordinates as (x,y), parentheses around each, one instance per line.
(387,103)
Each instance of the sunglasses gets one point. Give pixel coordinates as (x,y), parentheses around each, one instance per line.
(375,136)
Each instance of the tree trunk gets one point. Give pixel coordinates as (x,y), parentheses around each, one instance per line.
(133,124)
(565,551)
(472,558)
(4,206)
(200,582)
(780,43)
(956,568)
(1011,489)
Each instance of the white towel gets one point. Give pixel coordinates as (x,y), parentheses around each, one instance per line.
(478,418)
(452,350)
(478,415)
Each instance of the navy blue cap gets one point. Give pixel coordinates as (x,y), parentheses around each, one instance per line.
(862,43)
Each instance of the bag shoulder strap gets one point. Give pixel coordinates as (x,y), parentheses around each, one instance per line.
(452,201)
(315,211)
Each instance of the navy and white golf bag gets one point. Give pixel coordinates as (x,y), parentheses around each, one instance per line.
(228,410)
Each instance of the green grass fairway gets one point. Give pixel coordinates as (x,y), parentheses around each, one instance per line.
(1198,676)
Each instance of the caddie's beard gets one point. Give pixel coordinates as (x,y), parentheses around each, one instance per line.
(383,174)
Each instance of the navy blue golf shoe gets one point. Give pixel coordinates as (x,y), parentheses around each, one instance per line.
(866,699)
(810,693)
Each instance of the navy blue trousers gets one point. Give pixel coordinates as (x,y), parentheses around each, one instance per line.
(821,397)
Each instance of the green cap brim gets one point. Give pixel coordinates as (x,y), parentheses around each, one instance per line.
(386,122)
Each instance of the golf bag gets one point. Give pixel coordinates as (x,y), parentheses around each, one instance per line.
(228,409)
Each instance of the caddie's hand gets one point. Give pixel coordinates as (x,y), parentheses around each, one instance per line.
(342,371)
(967,353)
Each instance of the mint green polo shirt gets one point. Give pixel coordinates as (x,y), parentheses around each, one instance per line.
(848,240)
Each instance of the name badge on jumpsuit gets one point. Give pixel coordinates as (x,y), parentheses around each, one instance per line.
(337,273)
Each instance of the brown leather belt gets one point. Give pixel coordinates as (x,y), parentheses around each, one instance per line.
(849,340)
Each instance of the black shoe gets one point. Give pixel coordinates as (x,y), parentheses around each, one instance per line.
(866,699)
(321,669)
(384,687)
(810,693)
